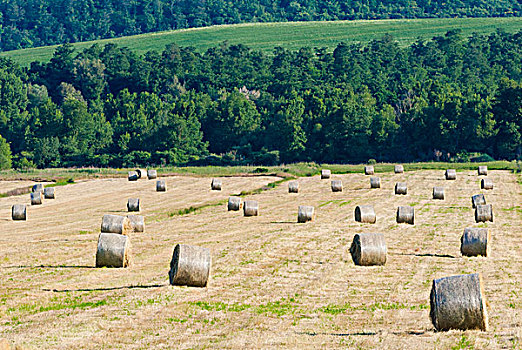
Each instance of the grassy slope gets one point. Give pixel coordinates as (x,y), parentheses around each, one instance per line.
(292,35)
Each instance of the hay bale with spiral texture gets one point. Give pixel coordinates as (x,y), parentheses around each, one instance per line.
(115,224)
(37,188)
(483,170)
(368,249)
(133,176)
(451,174)
(458,302)
(293,187)
(234,203)
(133,204)
(325,174)
(137,223)
(478,199)
(152,174)
(161,186)
(49,193)
(368,170)
(486,184)
(190,266)
(399,169)
(401,188)
(305,213)
(438,193)
(141,173)
(365,214)
(337,186)
(484,213)
(216,185)
(19,212)
(36,198)
(406,215)
(113,250)
(250,208)
(475,241)
(375,182)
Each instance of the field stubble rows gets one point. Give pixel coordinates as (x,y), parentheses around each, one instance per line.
(274,283)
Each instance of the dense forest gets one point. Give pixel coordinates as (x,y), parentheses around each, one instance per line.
(437,99)
(45,22)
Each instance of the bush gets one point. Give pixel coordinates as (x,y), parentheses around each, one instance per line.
(372,161)
(136,158)
(24,164)
(265,158)
(482,157)
(5,154)
(461,157)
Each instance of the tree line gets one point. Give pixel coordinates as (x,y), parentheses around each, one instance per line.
(107,106)
(47,22)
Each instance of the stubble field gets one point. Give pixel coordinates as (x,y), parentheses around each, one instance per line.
(274,283)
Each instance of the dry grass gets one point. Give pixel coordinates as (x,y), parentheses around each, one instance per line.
(274,283)
(7,186)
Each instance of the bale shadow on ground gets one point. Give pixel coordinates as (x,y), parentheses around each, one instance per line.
(427,254)
(105,289)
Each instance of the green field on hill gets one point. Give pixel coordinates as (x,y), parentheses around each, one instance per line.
(292,35)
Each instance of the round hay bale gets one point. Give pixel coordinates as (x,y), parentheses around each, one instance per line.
(137,223)
(375,182)
(152,174)
(458,302)
(250,208)
(49,193)
(406,215)
(216,184)
(325,174)
(305,213)
(484,213)
(19,212)
(133,176)
(115,224)
(483,170)
(190,266)
(478,199)
(37,188)
(401,188)
(133,204)
(161,186)
(113,250)
(399,169)
(141,173)
(451,174)
(438,193)
(293,187)
(365,214)
(368,249)
(234,203)
(475,241)
(337,186)
(486,184)
(36,198)
(368,170)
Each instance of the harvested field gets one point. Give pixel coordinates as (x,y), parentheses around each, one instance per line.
(274,282)
(6,186)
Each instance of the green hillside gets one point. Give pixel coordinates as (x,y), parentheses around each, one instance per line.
(265,36)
